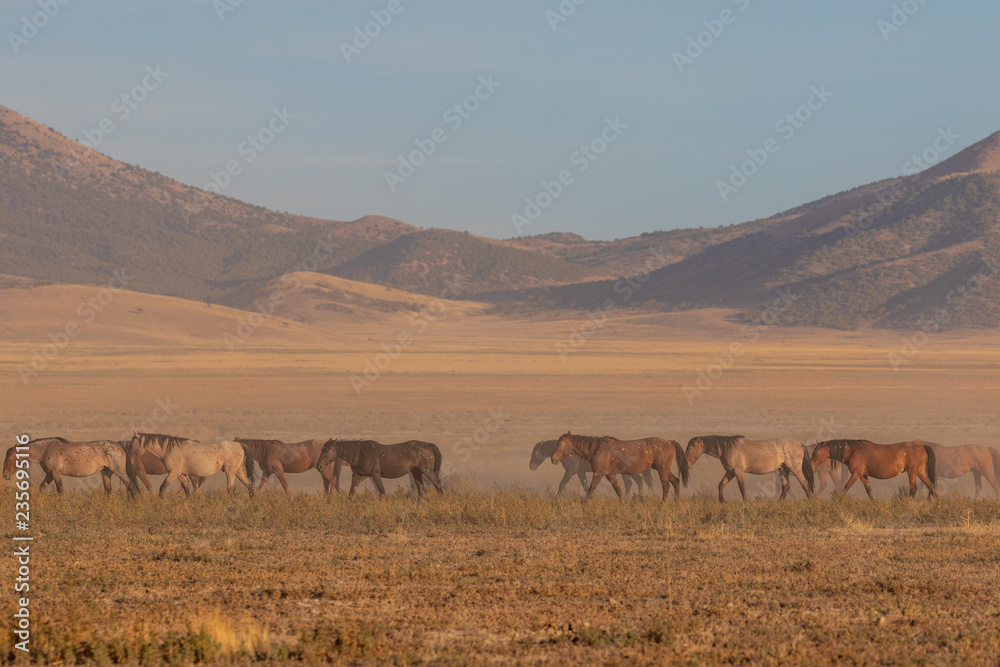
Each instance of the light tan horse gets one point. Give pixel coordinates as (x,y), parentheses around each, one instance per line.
(150,465)
(955,462)
(181,456)
(610,457)
(740,455)
(58,457)
(865,458)
(574,465)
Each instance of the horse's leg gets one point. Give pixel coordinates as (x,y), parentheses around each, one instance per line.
(992,480)
(264,476)
(337,467)
(418,482)
(567,475)
(675,482)
(171,476)
(785,484)
(57,478)
(377,478)
(355,480)
(280,474)
(582,476)
(722,485)
(923,478)
(593,485)
(802,480)
(618,489)
(868,487)
(628,484)
(977,478)
(106,480)
(45,482)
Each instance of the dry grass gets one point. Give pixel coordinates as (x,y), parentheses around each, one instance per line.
(486,577)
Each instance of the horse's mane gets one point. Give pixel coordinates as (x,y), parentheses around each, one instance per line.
(837,447)
(168,441)
(54,437)
(351,449)
(720,444)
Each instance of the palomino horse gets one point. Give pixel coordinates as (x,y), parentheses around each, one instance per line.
(58,457)
(574,465)
(955,462)
(276,458)
(740,455)
(368,458)
(865,458)
(181,456)
(609,457)
(150,465)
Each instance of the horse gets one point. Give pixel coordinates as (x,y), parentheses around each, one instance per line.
(58,457)
(865,458)
(368,458)
(610,456)
(150,465)
(276,458)
(955,462)
(181,456)
(824,470)
(574,465)
(740,455)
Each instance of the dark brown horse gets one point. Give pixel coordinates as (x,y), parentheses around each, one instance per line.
(368,458)
(574,465)
(609,457)
(865,458)
(276,458)
(955,462)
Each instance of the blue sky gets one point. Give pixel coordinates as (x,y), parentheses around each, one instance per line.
(557,88)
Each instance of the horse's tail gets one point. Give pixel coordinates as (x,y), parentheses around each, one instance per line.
(682,462)
(248,461)
(807,469)
(130,470)
(931,465)
(996,462)
(437,459)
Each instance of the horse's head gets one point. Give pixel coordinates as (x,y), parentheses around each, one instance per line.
(136,445)
(695,448)
(331,450)
(8,463)
(537,456)
(563,448)
(237,439)
(820,454)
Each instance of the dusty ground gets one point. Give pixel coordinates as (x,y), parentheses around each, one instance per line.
(410,583)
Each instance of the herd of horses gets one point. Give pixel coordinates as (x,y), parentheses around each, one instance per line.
(189,462)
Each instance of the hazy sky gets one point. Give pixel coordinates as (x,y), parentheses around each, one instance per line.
(677,126)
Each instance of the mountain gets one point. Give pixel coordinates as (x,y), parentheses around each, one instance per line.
(916,251)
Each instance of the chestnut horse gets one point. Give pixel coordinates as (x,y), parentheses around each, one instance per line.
(368,458)
(955,462)
(181,456)
(609,457)
(58,457)
(574,465)
(865,458)
(740,455)
(276,458)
